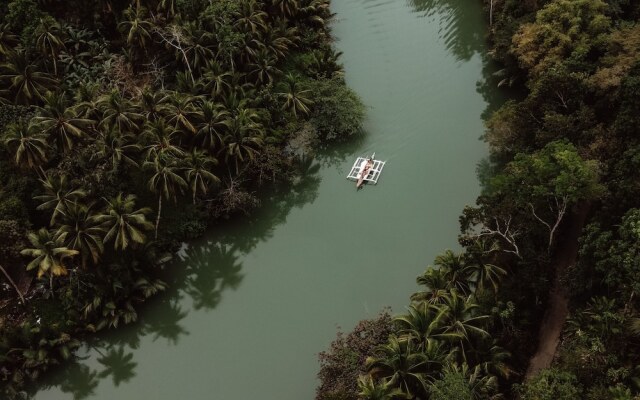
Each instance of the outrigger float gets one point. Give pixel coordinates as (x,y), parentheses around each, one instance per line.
(366,170)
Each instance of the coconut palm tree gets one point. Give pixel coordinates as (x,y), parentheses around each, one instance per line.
(29,144)
(120,148)
(402,363)
(198,52)
(295,99)
(8,40)
(483,273)
(81,230)
(136,28)
(217,79)
(165,181)
(251,18)
(263,69)
(180,112)
(455,270)
(422,323)
(86,101)
(437,285)
(491,358)
(58,195)
(60,122)
(244,138)
(462,322)
(198,172)
(287,8)
(49,254)
(278,42)
(153,104)
(124,224)
(315,12)
(22,79)
(369,389)
(160,139)
(211,125)
(118,111)
(50,39)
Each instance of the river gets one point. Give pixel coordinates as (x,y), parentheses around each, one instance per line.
(260,297)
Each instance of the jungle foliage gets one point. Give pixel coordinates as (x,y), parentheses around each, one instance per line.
(129,126)
(568,146)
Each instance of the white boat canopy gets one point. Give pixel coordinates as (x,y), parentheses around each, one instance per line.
(372,175)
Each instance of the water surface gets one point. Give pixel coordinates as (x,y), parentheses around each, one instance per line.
(261,297)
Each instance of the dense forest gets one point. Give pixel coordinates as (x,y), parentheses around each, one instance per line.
(541,302)
(128,127)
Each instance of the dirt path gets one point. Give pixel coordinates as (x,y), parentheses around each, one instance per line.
(556,314)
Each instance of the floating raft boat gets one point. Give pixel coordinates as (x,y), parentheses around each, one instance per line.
(372,175)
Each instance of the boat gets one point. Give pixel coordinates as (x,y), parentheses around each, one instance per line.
(366,169)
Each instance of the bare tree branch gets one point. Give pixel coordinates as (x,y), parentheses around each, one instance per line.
(559,211)
(505,232)
(175,38)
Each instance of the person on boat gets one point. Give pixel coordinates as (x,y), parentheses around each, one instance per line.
(366,168)
(365,171)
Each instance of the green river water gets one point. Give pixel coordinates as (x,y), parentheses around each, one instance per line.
(260,297)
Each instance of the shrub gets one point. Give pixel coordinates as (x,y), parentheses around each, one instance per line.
(552,384)
(341,365)
(337,112)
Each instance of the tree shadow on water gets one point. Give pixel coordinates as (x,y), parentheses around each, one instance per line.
(212,268)
(460,25)
(79,380)
(118,364)
(202,272)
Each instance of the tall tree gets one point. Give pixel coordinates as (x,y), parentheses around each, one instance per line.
(545,184)
(295,99)
(198,173)
(29,144)
(118,111)
(484,274)
(401,362)
(49,254)
(165,181)
(137,28)
(125,224)
(437,286)
(8,40)
(117,147)
(455,270)
(181,112)
(211,126)
(59,195)
(160,139)
(24,82)
(244,138)
(81,230)
(61,122)
(50,40)
(462,322)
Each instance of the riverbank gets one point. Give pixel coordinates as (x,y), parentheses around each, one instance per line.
(133,129)
(294,258)
(571,140)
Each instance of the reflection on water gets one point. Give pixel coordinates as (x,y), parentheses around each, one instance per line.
(206,269)
(212,268)
(306,254)
(117,364)
(457,23)
(79,380)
